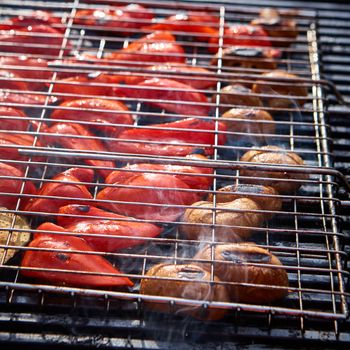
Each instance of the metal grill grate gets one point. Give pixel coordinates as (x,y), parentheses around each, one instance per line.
(305,234)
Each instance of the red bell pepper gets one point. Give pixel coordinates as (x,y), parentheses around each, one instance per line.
(33,19)
(77,137)
(171,138)
(194,179)
(241,35)
(13,119)
(36,40)
(124,19)
(66,184)
(156,47)
(22,100)
(9,144)
(196,77)
(199,24)
(95,84)
(137,192)
(9,184)
(96,110)
(155,91)
(64,252)
(107,224)
(29,68)
(10,80)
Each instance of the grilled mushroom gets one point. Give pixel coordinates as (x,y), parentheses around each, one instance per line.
(246,263)
(248,57)
(188,282)
(8,234)
(255,192)
(278,179)
(237,95)
(249,121)
(277,84)
(234,220)
(284,30)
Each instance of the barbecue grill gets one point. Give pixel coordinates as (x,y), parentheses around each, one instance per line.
(308,235)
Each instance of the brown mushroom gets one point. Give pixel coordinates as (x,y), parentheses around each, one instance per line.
(282,30)
(187,282)
(262,195)
(254,122)
(246,263)
(236,95)
(234,220)
(277,84)
(248,57)
(278,179)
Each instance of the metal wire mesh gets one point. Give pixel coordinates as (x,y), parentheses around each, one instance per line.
(304,235)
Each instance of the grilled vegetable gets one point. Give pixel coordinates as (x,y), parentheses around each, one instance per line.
(98,111)
(123,19)
(261,195)
(58,255)
(10,186)
(36,40)
(254,122)
(77,137)
(241,35)
(201,25)
(248,57)
(159,46)
(135,194)
(187,282)
(106,228)
(171,138)
(17,120)
(282,30)
(29,68)
(66,185)
(11,80)
(282,181)
(278,82)
(26,100)
(190,175)
(196,77)
(236,95)
(8,234)
(246,263)
(155,91)
(233,221)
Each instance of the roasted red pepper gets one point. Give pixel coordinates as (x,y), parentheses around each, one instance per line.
(156,47)
(13,119)
(155,91)
(66,184)
(29,68)
(200,24)
(190,175)
(36,40)
(100,112)
(137,194)
(77,137)
(25,100)
(56,254)
(197,77)
(9,184)
(241,35)
(10,143)
(33,19)
(106,227)
(171,138)
(77,87)
(10,80)
(120,18)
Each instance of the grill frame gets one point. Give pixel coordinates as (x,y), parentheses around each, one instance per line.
(328,171)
